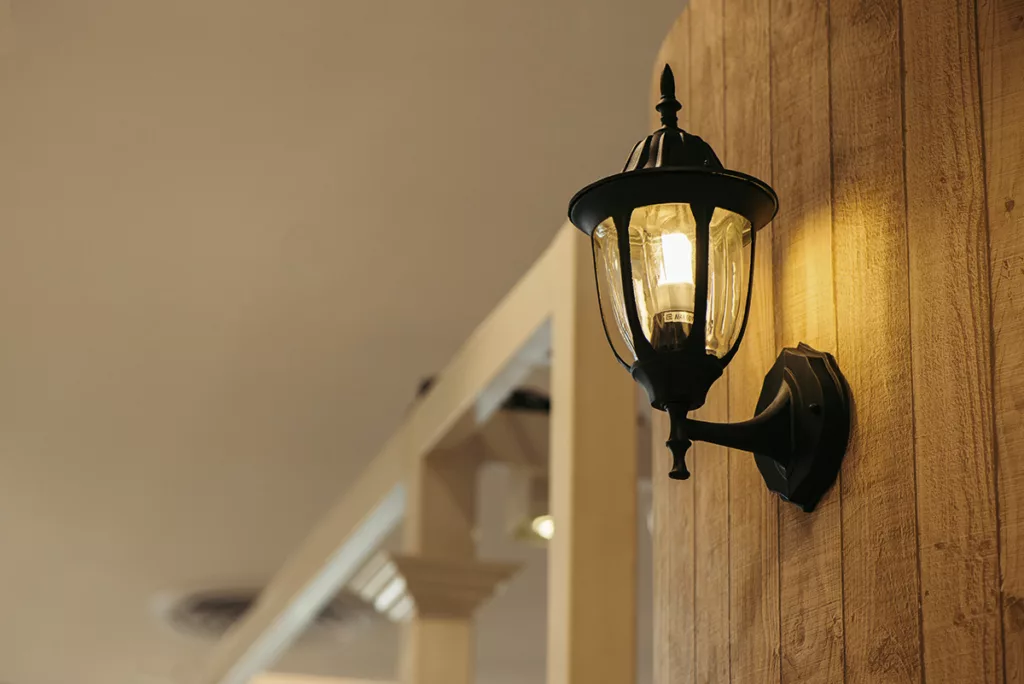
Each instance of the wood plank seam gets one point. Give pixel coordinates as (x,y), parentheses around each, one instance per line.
(726,379)
(727,399)
(771,159)
(992,340)
(711,463)
(771,155)
(910,337)
(838,485)
(693,499)
(949,267)
(811,557)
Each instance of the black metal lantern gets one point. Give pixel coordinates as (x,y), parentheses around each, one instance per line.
(673,238)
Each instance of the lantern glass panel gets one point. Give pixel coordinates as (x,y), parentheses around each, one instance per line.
(662,244)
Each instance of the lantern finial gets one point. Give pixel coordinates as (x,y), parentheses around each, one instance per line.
(669,105)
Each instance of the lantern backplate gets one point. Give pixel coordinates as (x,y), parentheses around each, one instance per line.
(623,192)
(819,420)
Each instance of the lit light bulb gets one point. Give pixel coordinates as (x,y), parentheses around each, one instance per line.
(677,259)
(673,292)
(543,526)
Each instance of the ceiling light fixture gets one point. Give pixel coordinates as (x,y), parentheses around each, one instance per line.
(543,526)
(673,238)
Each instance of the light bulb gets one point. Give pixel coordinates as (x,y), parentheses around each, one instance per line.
(677,259)
(543,526)
(673,286)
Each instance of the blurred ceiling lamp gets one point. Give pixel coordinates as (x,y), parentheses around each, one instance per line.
(518,436)
(543,526)
(527,514)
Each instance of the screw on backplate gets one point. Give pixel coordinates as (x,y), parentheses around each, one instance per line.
(815,408)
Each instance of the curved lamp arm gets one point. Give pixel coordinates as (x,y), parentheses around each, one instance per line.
(798,435)
(769,433)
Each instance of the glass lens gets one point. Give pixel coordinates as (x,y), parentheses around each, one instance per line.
(609,275)
(662,241)
(728,270)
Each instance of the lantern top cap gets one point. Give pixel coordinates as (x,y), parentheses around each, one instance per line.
(670,145)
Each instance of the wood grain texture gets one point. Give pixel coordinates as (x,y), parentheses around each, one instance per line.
(811,558)
(674,579)
(710,463)
(753,510)
(950,327)
(673,502)
(1001,34)
(897,151)
(880,584)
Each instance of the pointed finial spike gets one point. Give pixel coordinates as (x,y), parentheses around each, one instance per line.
(668,83)
(668,105)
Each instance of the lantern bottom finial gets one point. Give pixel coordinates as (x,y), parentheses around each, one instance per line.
(678,443)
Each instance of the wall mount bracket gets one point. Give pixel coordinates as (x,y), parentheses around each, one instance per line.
(798,434)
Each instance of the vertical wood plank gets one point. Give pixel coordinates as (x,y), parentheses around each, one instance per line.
(880,584)
(950,328)
(673,502)
(1001,34)
(811,560)
(674,580)
(592,557)
(753,510)
(710,463)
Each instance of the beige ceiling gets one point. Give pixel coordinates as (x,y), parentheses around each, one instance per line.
(233,237)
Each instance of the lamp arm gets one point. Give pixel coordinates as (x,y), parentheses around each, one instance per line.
(798,434)
(769,433)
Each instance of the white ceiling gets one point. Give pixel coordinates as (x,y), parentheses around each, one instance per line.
(233,237)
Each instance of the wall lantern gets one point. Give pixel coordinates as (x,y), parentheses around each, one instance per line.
(673,238)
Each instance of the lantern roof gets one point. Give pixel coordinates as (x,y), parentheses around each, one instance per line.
(672,166)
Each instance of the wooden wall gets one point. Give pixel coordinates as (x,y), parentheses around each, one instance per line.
(894,134)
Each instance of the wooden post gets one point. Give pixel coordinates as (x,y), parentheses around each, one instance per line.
(592,557)
(439,523)
(440,572)
(437,650)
